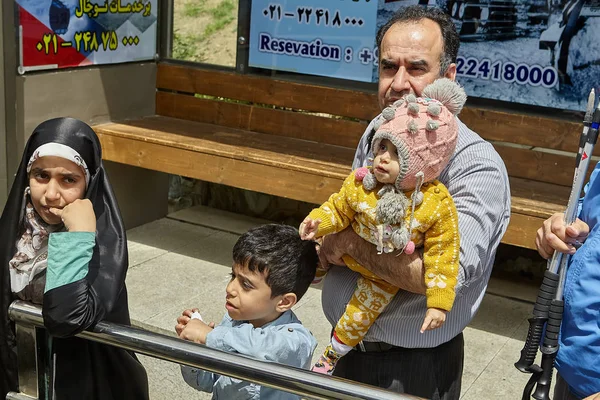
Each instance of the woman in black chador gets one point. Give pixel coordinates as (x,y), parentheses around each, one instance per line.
(63,245)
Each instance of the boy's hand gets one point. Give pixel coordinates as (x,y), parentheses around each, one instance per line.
(434,318)
(184,318)
(78,216)
(196,331)
(309,228)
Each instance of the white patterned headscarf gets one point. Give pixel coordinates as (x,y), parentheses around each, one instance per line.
(31,259)
(63,151)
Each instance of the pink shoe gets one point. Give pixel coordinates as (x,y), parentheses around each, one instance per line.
(323,366)
(327,361)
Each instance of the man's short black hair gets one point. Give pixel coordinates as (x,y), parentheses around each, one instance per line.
(289,262)
(416,13)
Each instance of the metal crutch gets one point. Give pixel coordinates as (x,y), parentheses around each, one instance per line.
(548,308)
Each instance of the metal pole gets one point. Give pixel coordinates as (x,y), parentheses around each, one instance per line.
(243,36)
(552,278)
(281,377)
(549,305)
(165,29)
(550,345)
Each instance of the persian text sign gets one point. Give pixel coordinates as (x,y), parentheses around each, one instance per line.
(333,38)
(70,33)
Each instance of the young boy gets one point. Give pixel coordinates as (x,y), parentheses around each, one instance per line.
(272,269)
(398,204)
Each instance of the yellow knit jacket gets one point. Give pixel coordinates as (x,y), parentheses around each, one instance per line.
(435,227)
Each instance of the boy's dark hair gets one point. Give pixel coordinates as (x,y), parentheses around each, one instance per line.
(289,262)
(416,13)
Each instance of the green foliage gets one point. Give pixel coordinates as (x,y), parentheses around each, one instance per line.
(184,46)
(195,9)
(222,15)
(191,44)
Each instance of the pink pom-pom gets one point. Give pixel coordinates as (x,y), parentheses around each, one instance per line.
(410,247)
(361,173)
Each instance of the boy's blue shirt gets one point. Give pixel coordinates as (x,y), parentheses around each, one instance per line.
(284,341)
(578,359)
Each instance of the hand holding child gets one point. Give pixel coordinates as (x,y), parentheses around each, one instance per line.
(78,216)
(309,228)
(434,318)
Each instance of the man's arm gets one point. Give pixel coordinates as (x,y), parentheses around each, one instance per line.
(404,271)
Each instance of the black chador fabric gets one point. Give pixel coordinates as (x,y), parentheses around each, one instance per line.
(84,369)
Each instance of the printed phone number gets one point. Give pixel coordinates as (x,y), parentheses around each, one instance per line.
(509,72)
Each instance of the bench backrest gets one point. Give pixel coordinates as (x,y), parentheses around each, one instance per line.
(538,151)
(533,147)
(265,105)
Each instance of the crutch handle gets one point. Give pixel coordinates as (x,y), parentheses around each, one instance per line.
(549,350)
(536,324)
(529,351)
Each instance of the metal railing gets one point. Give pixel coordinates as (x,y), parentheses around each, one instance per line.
(28,318)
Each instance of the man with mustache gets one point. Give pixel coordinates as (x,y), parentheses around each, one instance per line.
(417,46)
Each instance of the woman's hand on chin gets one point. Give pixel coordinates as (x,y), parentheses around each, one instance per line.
(78,216)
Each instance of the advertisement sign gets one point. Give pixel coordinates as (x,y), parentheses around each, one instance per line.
(70,33)
(538,52)
(327,38)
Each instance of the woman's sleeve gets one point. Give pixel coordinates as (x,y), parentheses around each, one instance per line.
(70,305)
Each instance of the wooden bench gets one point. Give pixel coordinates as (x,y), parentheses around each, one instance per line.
(298,140)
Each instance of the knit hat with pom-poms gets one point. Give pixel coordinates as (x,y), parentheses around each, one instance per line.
(423,129)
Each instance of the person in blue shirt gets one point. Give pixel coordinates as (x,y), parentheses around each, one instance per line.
(272,269)
(578,358)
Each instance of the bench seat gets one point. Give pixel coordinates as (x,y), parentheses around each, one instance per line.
(282,166)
